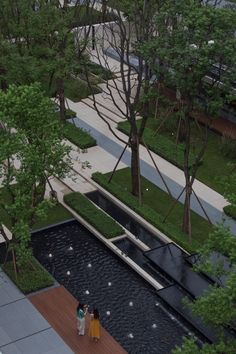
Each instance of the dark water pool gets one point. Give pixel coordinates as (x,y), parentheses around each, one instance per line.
(124,219)
(130,308)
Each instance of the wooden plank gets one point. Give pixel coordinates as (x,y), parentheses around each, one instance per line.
(58,307)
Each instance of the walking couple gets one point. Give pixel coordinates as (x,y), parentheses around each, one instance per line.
(94,326)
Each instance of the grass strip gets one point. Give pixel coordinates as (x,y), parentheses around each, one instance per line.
(78,136)
(94,216)
(30,278)
(155,214)
(161,145)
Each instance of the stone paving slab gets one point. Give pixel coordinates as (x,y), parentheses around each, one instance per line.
(23,330)
(18,320)
(8,291)
(46,342)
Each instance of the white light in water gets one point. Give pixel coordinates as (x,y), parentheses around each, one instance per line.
(154,325)
(108,313)
(130,335)
(131,303)
(157,304)
(68,272)
(50,255)
(89,265)
(70,248)
(87,292)
(109,283)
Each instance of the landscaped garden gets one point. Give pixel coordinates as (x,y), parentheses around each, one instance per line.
(155,208)
(218,158)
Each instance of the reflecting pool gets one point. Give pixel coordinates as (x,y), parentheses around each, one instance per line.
(130,308)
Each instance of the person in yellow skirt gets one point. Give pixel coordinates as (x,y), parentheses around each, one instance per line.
(94,327)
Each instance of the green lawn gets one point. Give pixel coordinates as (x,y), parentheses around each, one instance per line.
(160,201)
(96,217)
(30,278)
(56,214)
(215,164)
(78,136)
(75,89)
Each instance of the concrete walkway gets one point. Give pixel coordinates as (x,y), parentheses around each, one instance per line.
(22,328)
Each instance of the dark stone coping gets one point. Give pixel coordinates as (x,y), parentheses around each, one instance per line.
(171,260)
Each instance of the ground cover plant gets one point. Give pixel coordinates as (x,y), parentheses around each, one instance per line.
(31,278)
(94,216)
(154,208)
(76,89)
(160,144)
(78,136)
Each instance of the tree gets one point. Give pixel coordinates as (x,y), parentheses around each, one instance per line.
(193,39)
(217,307)
(38,43)
(31,151)
(129,94)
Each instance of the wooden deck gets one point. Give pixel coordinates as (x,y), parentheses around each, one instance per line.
(58,307)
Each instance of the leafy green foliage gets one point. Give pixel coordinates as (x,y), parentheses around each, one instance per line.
(78,136)
(30,152)
(96,217)
(32,276)
(217,305)
(230,210)
(70,114)
(146,212)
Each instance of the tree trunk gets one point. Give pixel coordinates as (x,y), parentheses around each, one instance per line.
(61,97)
(135,167)
(187,227)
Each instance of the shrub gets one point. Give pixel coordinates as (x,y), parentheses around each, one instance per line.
(78,136)
(98,70)
(30,278)
(230,210)
(146,212)
(70,114)
(161,145)
(94,216)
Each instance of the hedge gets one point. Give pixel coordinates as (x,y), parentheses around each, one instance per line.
(70,113)
(94,216)
(161,145)
(29,278)
(78,136)
(230,210)
(146,212)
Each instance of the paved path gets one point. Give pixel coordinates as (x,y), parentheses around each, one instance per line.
(22,328)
